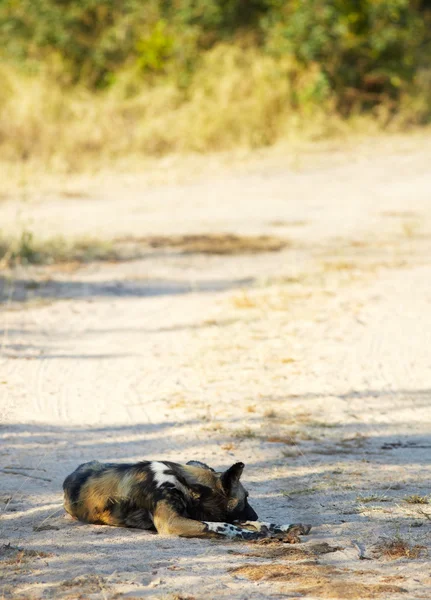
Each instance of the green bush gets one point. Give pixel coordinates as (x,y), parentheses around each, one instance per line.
(361,52)
(91,38)
(366,50)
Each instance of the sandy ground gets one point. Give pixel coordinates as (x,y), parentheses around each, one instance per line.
(311,365)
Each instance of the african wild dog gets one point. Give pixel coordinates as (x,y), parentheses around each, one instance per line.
(189,500)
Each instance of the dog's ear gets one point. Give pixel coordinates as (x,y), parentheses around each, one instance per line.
(197,463)
(231,477)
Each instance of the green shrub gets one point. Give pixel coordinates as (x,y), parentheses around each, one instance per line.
(366,50)
(205,74)
(93,38)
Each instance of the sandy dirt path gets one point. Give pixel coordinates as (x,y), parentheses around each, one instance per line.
(312,365)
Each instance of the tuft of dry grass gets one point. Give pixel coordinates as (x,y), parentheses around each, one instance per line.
(26,249)
(216,243)
(372,498)
(284,572)
(339,265)
(316,580)
(245,433)
(229,446)
(273,548)
(411,228)
(301,492)
(85,585)
(15,556)
(289,440)
(416,499)
(244,300)
(399,548)
(270,413)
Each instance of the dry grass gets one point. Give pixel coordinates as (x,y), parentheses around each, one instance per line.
(217,243)
(238,98)
(229,446)
(411,228)
(242,434)
(243,300)
(283,572)
(350,590)
(289,440)
(14,556)
(315,580)
(301,492)
(399,548)
(85,585)
(339,265)
(372,498)
(278,299)
(416,499)
(270,413)
(272,548)
(27,249)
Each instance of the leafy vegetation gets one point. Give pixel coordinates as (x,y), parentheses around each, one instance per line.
(206,74)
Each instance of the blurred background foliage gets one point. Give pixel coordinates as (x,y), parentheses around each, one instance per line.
(207,74)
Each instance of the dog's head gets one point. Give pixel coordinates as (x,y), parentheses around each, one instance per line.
(223,497)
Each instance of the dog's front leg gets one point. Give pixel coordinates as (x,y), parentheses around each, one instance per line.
(169,522)
(233,531)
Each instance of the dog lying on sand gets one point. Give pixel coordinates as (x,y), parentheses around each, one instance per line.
(189,500)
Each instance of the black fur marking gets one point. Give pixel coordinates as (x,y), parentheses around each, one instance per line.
(109,504)
(245,514)
(74,483)
(230,478)
(173,496)
(167,485)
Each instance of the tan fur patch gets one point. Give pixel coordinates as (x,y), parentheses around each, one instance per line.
(232,504)
(200,476)
(140,477)
(97,491)
(168,522)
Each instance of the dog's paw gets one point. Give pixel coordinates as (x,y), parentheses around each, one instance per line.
(289,534)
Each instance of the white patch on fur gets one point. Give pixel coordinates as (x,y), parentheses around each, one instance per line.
(225,529)
(283,527)
(161,476)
